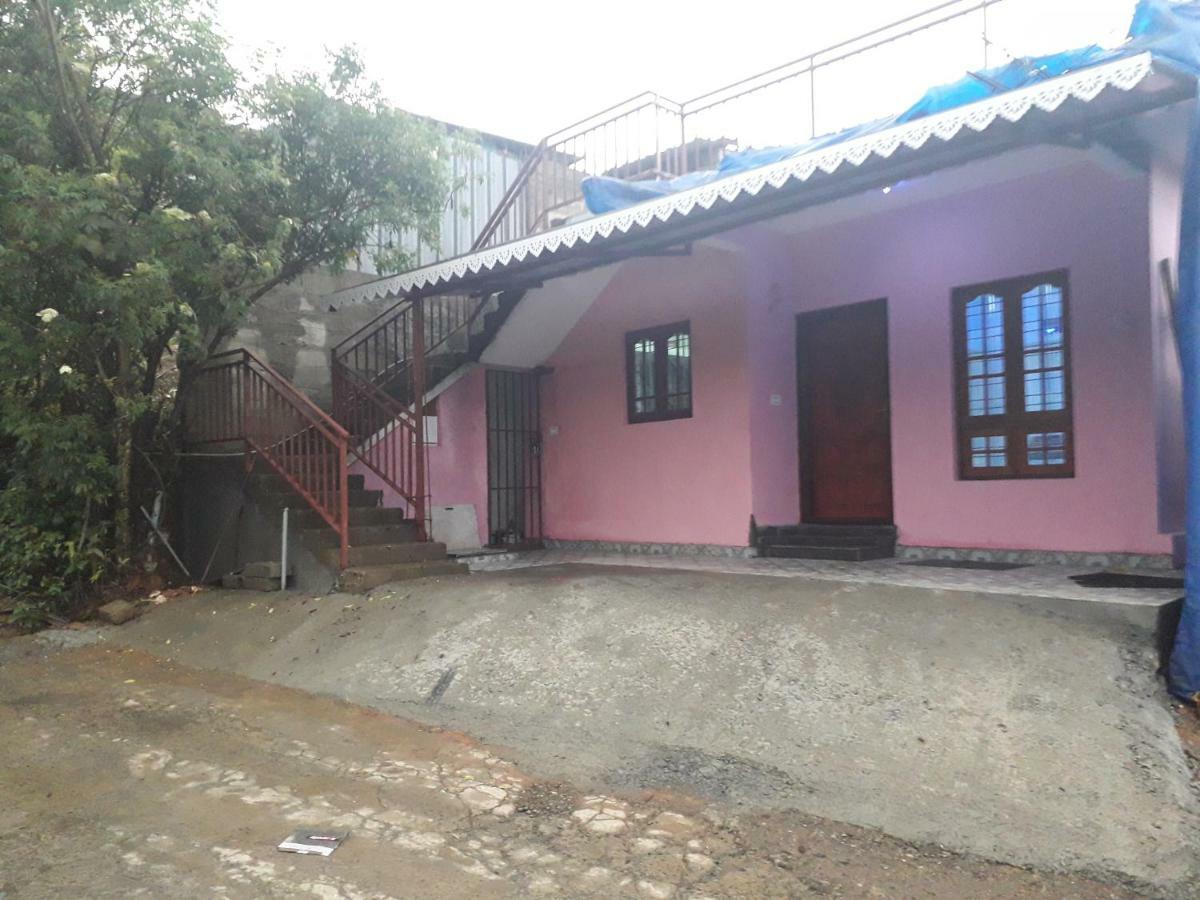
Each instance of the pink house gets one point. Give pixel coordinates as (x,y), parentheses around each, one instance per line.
(953,336)
(948,334)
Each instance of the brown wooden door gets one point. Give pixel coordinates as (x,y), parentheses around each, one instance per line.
(845,414)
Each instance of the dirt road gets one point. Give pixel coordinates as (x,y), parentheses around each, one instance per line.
(125,774)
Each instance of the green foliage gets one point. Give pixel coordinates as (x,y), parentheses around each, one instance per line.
(149,195)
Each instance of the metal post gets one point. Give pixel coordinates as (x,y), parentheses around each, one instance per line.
(812,96)
(343,506)
(283,560)
(418,376)
(986,42)
(657,142)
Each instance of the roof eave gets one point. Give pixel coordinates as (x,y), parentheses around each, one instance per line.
(1043,113)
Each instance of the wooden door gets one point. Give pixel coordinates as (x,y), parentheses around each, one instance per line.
(845,414)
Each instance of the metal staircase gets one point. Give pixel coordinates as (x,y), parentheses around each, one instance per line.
(385,374)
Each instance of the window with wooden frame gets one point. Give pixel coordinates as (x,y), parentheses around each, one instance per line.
(1012,367)
(658,373)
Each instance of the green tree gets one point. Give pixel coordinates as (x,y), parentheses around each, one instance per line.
(149,195)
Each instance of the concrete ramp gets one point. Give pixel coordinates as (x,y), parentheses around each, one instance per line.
(1001,728)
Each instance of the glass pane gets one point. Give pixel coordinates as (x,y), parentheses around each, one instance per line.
(1046,448)
(1055,396)
(1034,391)
(988,452)
(985,355)
(1042,327)
(679,371)
(643,370)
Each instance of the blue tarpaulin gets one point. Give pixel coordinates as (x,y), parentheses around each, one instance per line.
(1168,29)
(1183,671)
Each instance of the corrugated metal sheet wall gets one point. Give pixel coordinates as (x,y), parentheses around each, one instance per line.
(483,170)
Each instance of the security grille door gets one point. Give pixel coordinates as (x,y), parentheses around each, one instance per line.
(514,459)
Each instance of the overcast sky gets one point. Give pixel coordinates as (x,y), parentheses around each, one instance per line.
(527,67)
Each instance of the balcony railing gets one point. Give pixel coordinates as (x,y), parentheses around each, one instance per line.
(650,136)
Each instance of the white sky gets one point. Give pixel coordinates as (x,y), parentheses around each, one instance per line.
(527,67)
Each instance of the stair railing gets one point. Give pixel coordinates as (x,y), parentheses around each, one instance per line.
(237,398)
(378,385)
(381,352)
(386,436)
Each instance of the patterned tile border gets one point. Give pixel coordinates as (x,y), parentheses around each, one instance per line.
(903,552)
(1040,557)
(635,549)
(1046,581)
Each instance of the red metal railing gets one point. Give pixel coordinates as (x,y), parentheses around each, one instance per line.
(379,379)
(649,136)
(381,352)
(236,397)
(384,438)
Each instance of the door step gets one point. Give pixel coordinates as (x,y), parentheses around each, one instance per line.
(850,543)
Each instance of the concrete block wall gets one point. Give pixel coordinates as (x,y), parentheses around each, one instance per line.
(295,326)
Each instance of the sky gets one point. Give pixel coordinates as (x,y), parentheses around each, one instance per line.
(525,68)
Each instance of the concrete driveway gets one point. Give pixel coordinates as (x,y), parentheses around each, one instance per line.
(1025,731)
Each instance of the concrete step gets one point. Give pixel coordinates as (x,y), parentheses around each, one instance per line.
(359,515)
(881,531)
(819,551)
(387,554)
(828,540)
(359,579)
(277,489)
(361,535)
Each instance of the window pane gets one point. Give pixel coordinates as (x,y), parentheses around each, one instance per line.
(1046,449)
(988,452)
(679,371)
(985,355)
(644,355)
(1042,328)
(643,376)
(1034,393)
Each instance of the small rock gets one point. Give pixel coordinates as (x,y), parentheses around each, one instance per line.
(478,799)
(118,612)
(699,863)
(656,890)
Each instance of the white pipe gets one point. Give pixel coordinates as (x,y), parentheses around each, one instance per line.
(283,563)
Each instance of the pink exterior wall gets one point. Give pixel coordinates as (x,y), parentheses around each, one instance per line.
(698,480)
(684,481)
(1084,219)
(458,461)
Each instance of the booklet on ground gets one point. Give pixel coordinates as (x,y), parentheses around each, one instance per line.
(321,841)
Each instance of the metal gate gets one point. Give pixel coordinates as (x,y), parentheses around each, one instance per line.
(514,449)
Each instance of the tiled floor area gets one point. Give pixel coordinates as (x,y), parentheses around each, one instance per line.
(1030,581)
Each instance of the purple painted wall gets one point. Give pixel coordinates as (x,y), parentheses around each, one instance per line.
(697,480)
(458,461)
(684,481)
(1083,218)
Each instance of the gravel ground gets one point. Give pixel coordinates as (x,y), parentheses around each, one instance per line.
(126,774)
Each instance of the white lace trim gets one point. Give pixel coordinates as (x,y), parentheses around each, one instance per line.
(1085,85)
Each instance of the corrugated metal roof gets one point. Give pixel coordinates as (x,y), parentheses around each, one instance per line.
(1085,85)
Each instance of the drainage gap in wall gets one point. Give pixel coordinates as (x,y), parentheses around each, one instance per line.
(1127,580)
